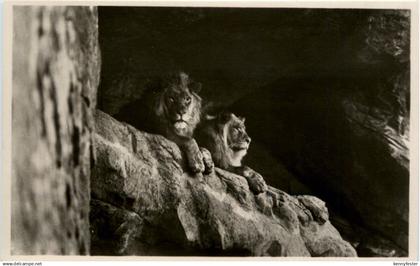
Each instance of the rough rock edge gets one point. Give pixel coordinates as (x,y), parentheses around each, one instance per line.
(141,194)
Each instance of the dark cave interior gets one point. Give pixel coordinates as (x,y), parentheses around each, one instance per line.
(325,93)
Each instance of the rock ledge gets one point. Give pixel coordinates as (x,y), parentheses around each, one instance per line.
(143,203)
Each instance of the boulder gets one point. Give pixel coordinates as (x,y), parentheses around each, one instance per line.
(55,78)
(144,203)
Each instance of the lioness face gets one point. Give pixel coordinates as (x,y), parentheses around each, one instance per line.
(182,106)
(236,139)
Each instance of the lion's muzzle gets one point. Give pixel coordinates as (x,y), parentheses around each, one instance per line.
(239,146)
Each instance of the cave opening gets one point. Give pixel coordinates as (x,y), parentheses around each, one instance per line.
(325,93)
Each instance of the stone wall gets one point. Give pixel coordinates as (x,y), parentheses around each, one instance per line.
(56,65)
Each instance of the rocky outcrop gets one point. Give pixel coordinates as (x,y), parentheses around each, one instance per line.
(55,78)
(143,203)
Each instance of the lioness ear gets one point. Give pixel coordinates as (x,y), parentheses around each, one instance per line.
(195,86)
(224,117)
(209,117)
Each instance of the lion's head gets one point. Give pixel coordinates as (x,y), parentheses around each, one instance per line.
(226,138)
(235,138)
(178,105)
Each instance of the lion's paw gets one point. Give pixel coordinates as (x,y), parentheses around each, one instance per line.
(256,182)
(207,160)
(196,162)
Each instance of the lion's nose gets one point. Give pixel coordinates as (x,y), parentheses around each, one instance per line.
(248,139)
(182,111)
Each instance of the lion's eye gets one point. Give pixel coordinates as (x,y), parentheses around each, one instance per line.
(171,99)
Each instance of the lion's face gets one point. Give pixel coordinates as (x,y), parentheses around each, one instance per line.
(236,140)
(179,105)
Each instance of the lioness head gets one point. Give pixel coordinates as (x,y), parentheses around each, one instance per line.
(179,105)
(235,138)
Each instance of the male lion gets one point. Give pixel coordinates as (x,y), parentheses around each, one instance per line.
(171,108)
(225,137)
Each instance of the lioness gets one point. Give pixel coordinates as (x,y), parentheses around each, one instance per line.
(225,137)
(171,108)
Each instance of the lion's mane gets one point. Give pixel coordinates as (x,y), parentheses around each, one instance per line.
(152,112)
(213,135)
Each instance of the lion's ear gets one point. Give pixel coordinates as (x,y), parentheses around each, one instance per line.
(209,117)
(242,119)
(195,87)
(224,117)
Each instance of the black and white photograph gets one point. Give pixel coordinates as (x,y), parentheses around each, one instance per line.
(184,131)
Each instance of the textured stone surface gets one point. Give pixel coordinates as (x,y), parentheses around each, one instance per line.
(143,203)
(55,78)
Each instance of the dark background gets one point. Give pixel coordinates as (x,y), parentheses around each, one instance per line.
(325,93)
